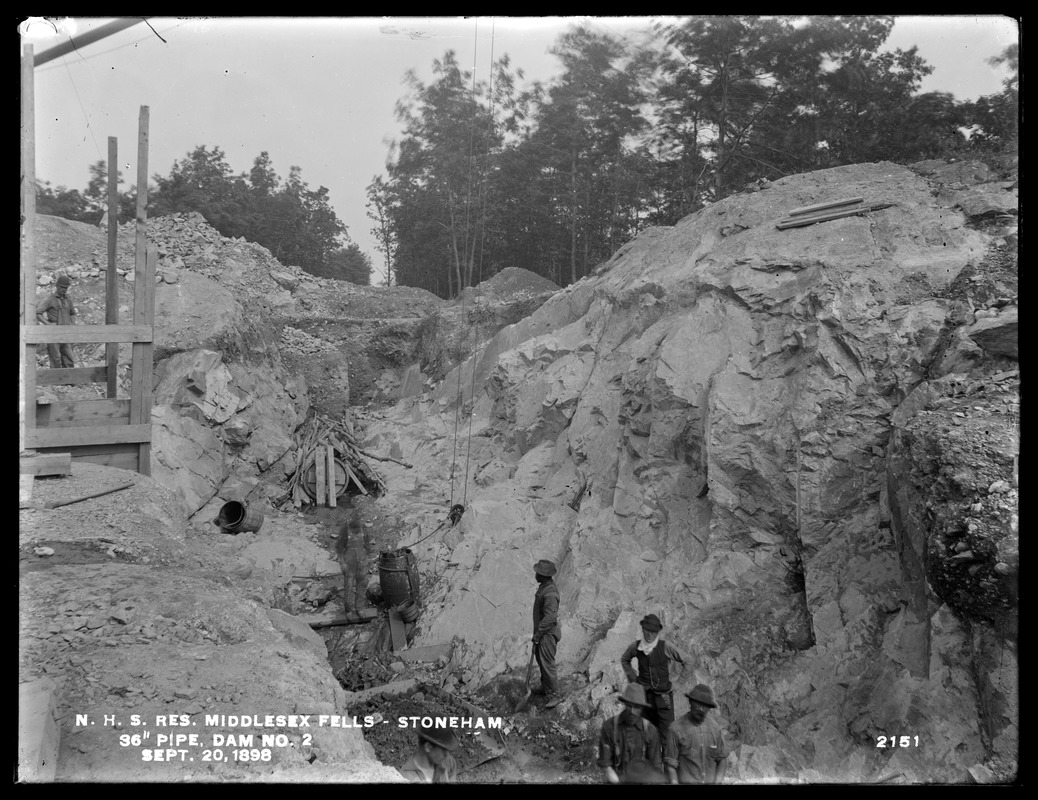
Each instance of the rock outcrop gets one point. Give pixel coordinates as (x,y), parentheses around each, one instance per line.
(704,428)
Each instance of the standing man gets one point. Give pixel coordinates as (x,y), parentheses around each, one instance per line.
(546,631)
(432,761)
(695,751)
(629,738)
(58,310)
(653,674)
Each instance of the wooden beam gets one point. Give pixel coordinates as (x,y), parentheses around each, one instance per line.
(45,464)
(353,476)
(26,349)
(820,206)
(89,37)
(75,376)
(143,301)
(353,618)
(111,277)
(72,437)
(83,412)
(330,476)
(122,456)
(320,468)
(397,630)
(86,334)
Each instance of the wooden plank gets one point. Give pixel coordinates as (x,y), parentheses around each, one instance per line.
(87,334)
(820,206)
(353,618)
(45,464)
(353,476)
(74,376)
(72,437)
(801,222)
(121,456)
(127,461)
(321,492)
(330,476)
(83,412)
(111,278)
(398,631)
(143,299)
(141,357)
(27,252)
(430,652)
(25,488)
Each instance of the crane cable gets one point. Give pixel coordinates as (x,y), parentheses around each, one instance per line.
(482,219)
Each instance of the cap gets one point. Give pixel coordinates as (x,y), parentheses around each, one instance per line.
(64,280)
(634,694)
(442,737)
(702,694)
(544,567)
(651,622)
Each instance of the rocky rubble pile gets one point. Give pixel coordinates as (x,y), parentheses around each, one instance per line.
(296,341)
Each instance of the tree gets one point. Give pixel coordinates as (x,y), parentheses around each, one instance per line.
(65,203)
(582,130)
(378,211)
(347,264)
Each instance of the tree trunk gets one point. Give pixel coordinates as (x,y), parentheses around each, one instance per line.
(573,216)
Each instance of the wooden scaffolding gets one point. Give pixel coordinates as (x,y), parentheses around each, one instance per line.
(111,431)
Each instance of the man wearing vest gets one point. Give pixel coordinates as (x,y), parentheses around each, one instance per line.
(695,751)
(653,674)
(628,738)
(546,631)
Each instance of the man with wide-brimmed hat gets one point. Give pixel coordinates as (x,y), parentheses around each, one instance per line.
(695,750)
(432,761)
(628,739)
(57,309)
(546,631)
(654,656)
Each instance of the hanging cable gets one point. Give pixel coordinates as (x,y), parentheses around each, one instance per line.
(482,244)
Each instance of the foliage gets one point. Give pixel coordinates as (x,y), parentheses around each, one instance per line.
(293,221)
(347,264)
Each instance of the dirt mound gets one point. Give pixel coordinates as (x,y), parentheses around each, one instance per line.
(511,283)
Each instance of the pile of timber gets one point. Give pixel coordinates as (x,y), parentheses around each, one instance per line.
(824,212)
(321,444)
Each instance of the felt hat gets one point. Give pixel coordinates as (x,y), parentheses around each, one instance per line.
(634,695)
(442,737)
(651,622)
(544,567)
(64,280)
(702,694)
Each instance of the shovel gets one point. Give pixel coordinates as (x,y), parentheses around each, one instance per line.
(529,676)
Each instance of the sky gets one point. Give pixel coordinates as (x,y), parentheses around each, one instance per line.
(319,93)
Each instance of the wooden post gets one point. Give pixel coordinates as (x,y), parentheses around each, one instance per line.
(331,477)
(320,468)
(143,302)
(111,278)
(27,352)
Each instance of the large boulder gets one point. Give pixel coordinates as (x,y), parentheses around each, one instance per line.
(701,429)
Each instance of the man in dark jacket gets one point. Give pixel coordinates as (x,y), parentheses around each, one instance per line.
(653,673)
(546,631)
(57,309)
(629,745)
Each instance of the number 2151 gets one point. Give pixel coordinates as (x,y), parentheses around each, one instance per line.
(897,741)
